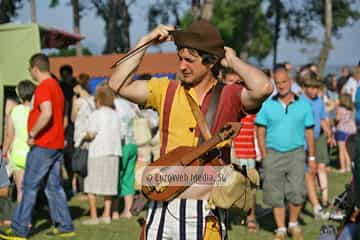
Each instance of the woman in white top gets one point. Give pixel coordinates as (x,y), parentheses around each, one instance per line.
(83,106)
(104,133)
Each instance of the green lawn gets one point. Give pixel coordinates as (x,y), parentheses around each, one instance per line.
(129,229)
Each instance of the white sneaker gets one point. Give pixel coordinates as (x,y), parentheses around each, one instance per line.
(296,233)
(321,214)
(105,220)
(91,221)
(337,216)
(280,235)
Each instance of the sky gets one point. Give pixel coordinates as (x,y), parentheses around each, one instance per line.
(346,50)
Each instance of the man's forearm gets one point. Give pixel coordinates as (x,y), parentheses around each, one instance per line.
(40,124)
(7,143)
(260,134)
(325,124)
(125,71)
(9,135)
(262,148)
(255,81)
(310,140)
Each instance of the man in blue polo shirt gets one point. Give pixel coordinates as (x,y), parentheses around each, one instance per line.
(284,124)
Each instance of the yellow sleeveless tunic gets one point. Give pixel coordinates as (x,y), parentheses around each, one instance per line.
(19,117)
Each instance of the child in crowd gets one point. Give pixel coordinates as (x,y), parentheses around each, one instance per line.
(345,126)
(331,96)
(15,145)
(323,135)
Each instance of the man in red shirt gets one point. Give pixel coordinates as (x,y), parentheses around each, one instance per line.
(46,138)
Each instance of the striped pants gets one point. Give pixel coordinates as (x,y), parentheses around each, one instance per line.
(180,219)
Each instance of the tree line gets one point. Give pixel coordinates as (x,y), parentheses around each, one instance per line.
(252,27)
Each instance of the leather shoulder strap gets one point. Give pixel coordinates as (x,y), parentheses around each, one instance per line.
(205,122)
(199,117)
(169,97)
(213,105)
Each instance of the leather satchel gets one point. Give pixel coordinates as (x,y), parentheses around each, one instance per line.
(237,190)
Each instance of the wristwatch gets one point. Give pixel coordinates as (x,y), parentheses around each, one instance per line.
(311,158)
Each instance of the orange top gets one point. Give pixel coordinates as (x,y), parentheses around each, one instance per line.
(244,142)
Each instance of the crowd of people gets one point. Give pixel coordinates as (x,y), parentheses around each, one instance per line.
(290,125)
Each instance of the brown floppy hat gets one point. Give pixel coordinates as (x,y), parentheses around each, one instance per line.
(202,36)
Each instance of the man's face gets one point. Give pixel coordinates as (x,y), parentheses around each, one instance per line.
(345,71)
(357,73)
(311,92)
(282,82)
(334,82)
(231,78)
(32,71)
(191,67)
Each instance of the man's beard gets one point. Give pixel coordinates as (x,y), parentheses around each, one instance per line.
(187,84)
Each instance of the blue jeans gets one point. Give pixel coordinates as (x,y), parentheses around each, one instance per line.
(4,179)
(42,164)
(350,232)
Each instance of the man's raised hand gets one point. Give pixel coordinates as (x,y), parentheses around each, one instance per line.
(230,55)
(160,34)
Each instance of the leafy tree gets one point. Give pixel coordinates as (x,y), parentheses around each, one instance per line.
(115,14)
(301,19)
(243,26)
(163,12)
(202,9)
(33,10)
(178,12)
(332,16)
(77,9)
(8,9)
(241,23)
(253,26)
(324,53)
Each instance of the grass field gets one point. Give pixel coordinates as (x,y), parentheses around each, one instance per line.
(129,229)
